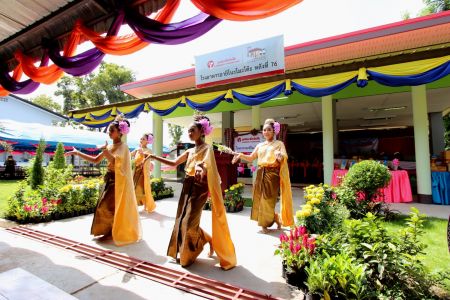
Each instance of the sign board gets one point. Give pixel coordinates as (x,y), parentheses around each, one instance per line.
(247,142)
(264,57)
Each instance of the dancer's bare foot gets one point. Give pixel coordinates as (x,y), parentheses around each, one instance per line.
(264,229)
(211,248)
(278,221)
(106,237)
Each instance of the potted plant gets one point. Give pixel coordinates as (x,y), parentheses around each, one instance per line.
(296,250)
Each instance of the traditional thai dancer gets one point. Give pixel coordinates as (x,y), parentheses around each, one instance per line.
(116,215)
(202,178)
(272,177)
(141,175)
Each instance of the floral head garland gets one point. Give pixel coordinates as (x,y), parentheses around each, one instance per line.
(149,138)
(276,128)
(207,128)
(123,127)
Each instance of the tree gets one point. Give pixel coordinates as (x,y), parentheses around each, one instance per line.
(47,102)
(175,132)
(95,89)
(434,6)
(37,170)
(59,161)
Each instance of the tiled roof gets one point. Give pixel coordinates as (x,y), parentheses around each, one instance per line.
(404,36)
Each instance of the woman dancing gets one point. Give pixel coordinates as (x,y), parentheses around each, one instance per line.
(116,215)
(272,177)
(202,178)
(141,175)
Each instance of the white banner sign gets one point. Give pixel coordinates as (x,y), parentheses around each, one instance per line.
(247,142)
(241,62)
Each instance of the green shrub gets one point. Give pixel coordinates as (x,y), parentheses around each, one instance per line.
(59,161)
(360,191)
(160,190)
(392,261)
(37,170)
(322,211)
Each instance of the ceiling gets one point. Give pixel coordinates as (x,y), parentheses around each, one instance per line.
(352,114)
(23,23)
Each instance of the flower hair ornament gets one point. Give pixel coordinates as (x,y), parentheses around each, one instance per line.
(200,118)
(149,138)
(207,128)
(124,128)
(276,127)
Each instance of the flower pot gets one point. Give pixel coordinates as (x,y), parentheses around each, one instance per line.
(312,296)
(283,270)
(297,278)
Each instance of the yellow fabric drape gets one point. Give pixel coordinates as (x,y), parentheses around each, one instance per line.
(325,81)
(149,203)
(221,238)
(266,158)
(127,225)
(411,68)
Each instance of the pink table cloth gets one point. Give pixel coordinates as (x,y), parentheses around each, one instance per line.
(398,190)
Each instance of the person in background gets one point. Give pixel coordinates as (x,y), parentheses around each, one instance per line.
(141,174)
(10,167)
(272,177)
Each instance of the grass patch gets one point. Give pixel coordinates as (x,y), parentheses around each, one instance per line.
(436,257)
(7,189)
(248,202)
(169,172)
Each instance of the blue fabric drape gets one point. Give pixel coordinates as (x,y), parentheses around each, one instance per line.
(440,187)
(135,112)
(165,112)
(205,106)
(322,92)
(260,98)
(417,79)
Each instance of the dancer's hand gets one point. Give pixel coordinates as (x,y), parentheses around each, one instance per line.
(278,155)
(73,152)
(236,158)
(103,147)
(200,171)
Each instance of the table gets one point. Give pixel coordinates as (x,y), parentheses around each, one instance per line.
(440,187)
(398,189)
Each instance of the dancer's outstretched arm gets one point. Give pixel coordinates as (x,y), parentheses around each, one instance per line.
(248,158)
(93,159)
(180,159)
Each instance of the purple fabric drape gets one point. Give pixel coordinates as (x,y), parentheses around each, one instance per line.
(153,31)
(83,63)
(21,87)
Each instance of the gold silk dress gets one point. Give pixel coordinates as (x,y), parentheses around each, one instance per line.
(116,211)
(272,177)
(142,183)
(187,237)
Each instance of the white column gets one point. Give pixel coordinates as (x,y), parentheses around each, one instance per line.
(256,124)
(157,142)
(421,142)
(328,138)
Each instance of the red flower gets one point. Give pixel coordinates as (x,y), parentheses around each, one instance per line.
(27,207)
(44,209)
(302,230)
(44,201)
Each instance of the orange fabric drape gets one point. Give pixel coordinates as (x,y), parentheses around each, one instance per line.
(17,74)
(243,10)
(48,74)
(130,43)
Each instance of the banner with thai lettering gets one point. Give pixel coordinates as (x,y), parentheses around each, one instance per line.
(247,142)
(264,57)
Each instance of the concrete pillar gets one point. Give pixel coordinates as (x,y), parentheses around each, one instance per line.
(437,133)
(328,138)
(157,142)
(256,124)
(335,132)
(227,122)
(421,142)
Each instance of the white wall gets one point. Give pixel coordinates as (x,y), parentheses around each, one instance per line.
(19,111)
